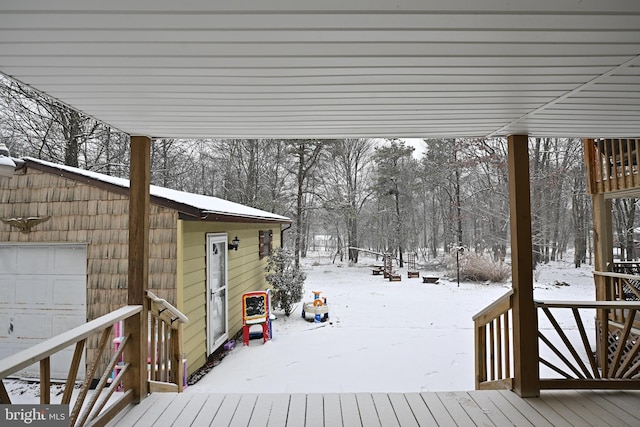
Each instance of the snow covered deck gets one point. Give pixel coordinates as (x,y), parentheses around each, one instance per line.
(486,408)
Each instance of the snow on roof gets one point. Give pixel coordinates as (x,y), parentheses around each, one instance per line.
(207,204)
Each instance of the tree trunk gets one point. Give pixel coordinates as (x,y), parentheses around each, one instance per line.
(434,227)
(398,225)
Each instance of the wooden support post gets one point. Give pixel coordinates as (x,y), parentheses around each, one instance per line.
(525,323)
(136,351)
(603,259)
(602,242)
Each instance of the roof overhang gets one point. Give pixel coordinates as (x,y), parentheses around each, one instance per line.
(192,207)
(335,68)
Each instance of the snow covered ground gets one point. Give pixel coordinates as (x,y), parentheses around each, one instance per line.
(382,336)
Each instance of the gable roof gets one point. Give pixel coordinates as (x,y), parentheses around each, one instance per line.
(192,206)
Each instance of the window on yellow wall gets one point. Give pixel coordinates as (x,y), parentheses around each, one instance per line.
(265,239)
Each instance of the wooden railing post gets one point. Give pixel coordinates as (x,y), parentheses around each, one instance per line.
(177,371)
(602,242)
(140,177)
(591,163)
(45,381)
(603,259)
(525,323)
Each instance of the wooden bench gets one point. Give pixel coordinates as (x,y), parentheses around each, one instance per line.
(429,279)
(395,277)
(413,274)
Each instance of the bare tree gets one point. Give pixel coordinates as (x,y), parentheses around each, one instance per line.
(304,154)
(346,188)
(38,126)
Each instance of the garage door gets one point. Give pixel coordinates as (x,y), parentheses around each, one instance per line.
(42,294)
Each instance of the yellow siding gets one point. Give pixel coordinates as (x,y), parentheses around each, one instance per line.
(246,273)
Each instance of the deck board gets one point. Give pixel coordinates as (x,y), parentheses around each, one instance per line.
(499,408)
(471,407)
(588,409)
(367,410)
(610,408)
(208,411)
(166,410)
(437,408)
(386,414)
(495,413)
(261,411)
(420,411)
(135,412)
(624,401)
(403,411)
(350,411)
(297,410)
(332,410)
(565,410)
(454,409)
(244,410)
(518,415)
(541,407)
(315,411)
(188,412)
(279,410)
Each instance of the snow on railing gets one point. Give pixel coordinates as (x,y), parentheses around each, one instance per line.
(82,411)
(167,366)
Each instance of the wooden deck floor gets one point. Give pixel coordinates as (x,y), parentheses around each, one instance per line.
(474,408)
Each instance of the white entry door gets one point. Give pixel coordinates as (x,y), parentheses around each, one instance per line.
(217,314)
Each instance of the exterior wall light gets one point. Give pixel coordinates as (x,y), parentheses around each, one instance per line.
(235,244)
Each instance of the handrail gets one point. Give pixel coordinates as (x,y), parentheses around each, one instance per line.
(494,344)
(497,305)
(40,351)
(607,305)
(176,314)
(616,275)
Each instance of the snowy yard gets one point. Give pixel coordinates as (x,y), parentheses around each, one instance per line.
(382,336)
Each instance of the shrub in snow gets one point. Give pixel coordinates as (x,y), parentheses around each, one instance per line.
(286,279)
(479,269)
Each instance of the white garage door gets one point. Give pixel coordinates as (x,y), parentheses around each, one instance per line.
(42,294)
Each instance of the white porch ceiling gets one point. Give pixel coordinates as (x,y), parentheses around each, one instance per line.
(334,68)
